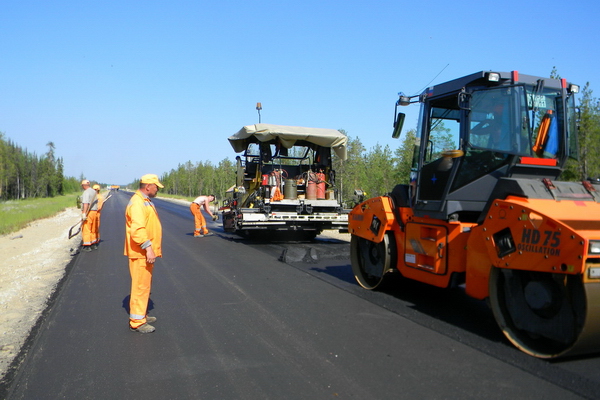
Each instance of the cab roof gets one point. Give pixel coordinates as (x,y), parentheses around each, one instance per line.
(481,79)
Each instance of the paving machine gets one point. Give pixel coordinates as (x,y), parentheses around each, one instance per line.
(285,182)
(484,210)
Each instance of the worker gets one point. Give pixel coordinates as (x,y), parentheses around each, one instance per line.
(143,237)
(196,209)
(492,132)
(96,225)
(89,208)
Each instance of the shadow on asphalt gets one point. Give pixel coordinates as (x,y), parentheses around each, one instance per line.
(125,304)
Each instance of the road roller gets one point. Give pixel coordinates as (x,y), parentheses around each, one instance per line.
(485,210)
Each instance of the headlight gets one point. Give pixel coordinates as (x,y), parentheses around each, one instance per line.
(493,77)
(574,88)
(594,272)
(594,247)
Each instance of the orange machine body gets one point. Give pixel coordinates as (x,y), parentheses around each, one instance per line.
(544,236)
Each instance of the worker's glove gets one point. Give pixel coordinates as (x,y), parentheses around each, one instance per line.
(83,217)
(215,217)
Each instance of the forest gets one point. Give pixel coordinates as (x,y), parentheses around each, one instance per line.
(378,169)
(25,175)
(375,171)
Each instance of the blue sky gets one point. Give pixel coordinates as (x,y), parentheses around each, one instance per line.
(124,88)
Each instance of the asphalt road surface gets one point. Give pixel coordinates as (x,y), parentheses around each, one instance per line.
(248,320)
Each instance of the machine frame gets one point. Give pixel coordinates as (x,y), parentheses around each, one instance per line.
(484,209)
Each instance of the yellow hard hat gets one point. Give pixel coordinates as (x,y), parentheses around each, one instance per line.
(151,178)
(96,187)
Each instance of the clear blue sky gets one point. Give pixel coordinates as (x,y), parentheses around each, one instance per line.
(124,88)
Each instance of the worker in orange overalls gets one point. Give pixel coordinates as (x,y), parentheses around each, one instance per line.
(96,225)
(143,237)
(196,209)
(89,208)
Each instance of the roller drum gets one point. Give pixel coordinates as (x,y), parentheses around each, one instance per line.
(546,315)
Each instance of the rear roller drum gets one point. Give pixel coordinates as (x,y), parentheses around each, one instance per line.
(544,314)
(371,261)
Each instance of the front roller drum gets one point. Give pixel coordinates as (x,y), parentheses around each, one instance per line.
(371,261)
(546,315)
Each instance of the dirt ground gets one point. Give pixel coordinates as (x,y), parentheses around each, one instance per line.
(35,259)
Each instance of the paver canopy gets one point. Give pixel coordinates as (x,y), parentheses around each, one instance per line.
(288,136)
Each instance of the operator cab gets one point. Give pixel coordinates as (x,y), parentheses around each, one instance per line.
(480,128)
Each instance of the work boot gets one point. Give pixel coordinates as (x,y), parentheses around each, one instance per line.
(208,234)
(94,247)
(199,235)
(150,319)
(146,328)
(87,249)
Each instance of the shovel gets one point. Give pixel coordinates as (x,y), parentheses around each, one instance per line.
(78,226)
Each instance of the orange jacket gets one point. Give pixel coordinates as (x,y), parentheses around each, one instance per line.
(143,227)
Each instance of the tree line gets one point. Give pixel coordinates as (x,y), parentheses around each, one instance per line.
(193,179)
(588,164)
(377,170)
(25,175)
(374,171)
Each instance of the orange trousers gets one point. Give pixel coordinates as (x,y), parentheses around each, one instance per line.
(199,221)
(89,232)
(97,227)
(141,282)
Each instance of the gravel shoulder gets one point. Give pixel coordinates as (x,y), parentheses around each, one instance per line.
(35,259)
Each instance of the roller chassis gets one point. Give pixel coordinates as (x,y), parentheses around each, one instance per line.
(549,286)
(500,225)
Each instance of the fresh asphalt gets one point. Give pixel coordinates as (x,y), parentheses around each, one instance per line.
(243,320)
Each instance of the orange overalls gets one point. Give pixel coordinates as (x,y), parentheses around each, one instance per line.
(88,226)
(143,229)
(96,225)
(199,221)
(88,229)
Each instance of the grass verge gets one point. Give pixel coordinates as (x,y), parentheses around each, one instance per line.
(16,214)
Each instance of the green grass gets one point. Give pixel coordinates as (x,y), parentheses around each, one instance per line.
(16,214)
